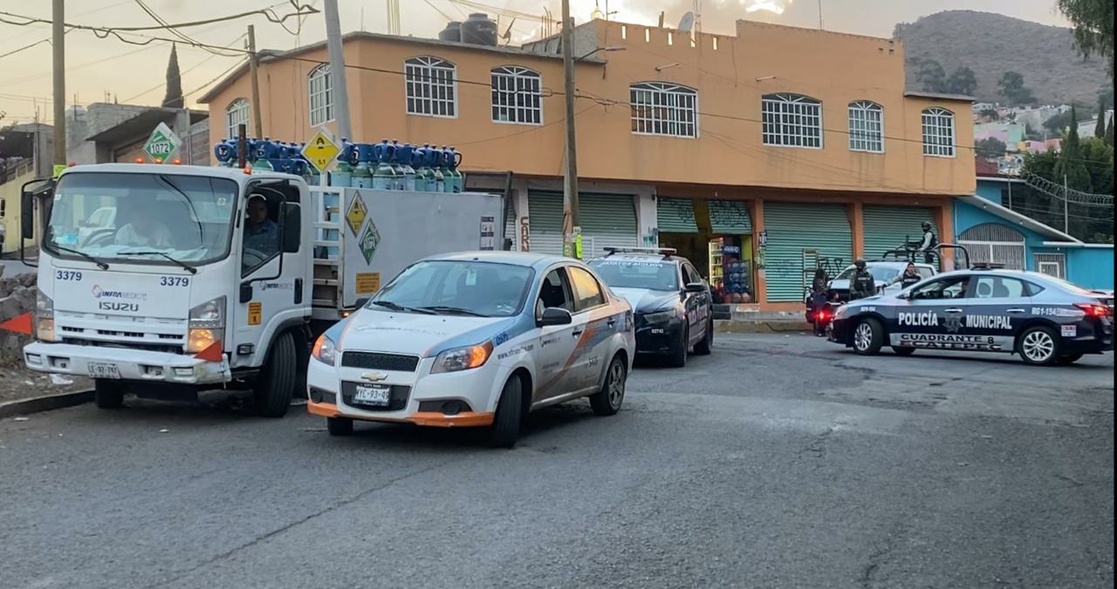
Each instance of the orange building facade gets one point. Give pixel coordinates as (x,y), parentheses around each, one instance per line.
(758,155)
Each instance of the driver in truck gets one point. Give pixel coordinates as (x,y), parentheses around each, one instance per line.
(260,232)
(144,230)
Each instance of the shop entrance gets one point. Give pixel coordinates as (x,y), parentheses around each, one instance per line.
(715,235)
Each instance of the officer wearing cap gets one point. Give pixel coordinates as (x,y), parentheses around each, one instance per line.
(260,232)
(862,284)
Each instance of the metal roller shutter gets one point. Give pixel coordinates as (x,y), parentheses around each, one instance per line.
(793,227)
(729,217)
(675,215)
(607,220)
(888,227)
(544,211)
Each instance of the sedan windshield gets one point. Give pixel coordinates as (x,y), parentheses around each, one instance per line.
(141,218)
(650,275)
(453,287)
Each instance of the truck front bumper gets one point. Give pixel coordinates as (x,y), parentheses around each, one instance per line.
(124,364)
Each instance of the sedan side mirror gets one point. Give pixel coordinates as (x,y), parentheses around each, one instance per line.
(696,287)
(555,316)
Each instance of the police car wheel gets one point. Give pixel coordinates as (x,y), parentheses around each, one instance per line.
(704,347)
(868,337)
(903,351)
(1038,346)
(677,357)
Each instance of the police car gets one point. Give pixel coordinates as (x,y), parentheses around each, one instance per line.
(671,301)
(475,340)
(1044,319)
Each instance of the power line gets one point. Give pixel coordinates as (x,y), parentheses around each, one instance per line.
(267,13)
(25,47)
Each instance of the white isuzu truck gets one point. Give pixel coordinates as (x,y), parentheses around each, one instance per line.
(199,278)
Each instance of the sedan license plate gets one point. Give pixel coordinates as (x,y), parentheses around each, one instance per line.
(374,395)
(103,370)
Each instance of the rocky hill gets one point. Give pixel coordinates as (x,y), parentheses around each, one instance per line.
(992,44)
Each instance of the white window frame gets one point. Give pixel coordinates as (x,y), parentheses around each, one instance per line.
(236,114)
(517,95)
(431,87)
(320,95)
(938,132)
(665,110)
(791,120)
(866,126)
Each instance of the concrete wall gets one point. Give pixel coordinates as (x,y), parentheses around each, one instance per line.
(1089,267)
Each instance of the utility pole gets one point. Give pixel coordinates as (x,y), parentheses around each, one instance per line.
(570,180)
(58,41)
(1066,206)
(254,67)
(337,70)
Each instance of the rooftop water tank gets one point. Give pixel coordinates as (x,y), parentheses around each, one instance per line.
(452,32)
(479,29)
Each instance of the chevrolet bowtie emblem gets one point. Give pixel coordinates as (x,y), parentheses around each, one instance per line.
(374,376)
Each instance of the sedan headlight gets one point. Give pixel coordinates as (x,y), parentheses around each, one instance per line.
(206,326)
(662,316)
(325,350)
(466,358)
(44,317)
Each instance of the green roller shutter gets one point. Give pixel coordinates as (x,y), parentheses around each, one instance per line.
(675,215)
(729,217)
(888,227)
(793,227)
(607,220)
(544,211)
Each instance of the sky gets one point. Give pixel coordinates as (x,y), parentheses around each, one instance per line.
(99,69)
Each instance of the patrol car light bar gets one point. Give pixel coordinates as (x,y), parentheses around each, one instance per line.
(663,251)
(986,266)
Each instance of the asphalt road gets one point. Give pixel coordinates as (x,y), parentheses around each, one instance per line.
(776,462)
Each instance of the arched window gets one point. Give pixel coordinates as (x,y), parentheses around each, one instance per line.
(321,92)
(866,126)
(432,87)
(938,132)
(664,109)
(236,114)
(517,95)
(791,120)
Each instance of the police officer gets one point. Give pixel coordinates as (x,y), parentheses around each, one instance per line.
(928,243)
(862,284)
(908,277)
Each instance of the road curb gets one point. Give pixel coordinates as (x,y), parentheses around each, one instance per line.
(44,403)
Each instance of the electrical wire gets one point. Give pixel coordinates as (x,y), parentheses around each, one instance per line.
(267,13)
(25,48)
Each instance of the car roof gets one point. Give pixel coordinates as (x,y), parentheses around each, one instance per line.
(1020,274)
(638,257)
(527,259)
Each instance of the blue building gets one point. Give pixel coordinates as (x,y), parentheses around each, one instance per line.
(993,232)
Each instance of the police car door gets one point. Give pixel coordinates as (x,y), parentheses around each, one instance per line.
(697,305)
(997,305)
(929,312)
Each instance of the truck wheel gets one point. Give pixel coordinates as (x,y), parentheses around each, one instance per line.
(704,347)
(608,400)
(276,384)
(509,415)
(339,426)
(108,394)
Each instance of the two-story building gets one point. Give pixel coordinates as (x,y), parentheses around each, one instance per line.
(754,154)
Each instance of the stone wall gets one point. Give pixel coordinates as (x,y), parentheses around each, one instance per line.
(17,296)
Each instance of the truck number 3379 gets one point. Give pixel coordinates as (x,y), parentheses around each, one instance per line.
(68,275)
(174,281)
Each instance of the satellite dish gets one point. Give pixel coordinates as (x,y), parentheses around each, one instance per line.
(687,22)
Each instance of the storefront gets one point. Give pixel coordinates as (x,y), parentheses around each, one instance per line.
(607,220)
(889,227)
(800,238)
(717,236)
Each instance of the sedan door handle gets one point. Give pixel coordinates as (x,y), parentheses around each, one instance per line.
(954,310)
(611,322)
(576,333)
(1015,311)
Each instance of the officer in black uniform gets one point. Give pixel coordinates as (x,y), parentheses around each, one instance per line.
(928,243)
(862,284)
(908,277)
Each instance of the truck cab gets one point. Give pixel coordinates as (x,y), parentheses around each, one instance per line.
(157,278)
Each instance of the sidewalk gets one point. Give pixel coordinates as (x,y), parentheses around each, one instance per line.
(742,319)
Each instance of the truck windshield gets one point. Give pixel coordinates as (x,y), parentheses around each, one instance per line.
(141,218)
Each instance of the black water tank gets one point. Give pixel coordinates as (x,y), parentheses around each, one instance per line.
(479,29)
(452,32)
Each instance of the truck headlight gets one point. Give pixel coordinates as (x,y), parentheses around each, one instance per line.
(44,317)
(325,350)
(459,359)
(206,325)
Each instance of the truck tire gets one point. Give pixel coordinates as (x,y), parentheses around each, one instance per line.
(275,386)
(108,394)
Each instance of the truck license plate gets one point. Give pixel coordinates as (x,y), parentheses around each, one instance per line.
(103,370)
(374,395)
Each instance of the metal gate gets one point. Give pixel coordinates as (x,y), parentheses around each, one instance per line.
(607,220)
(675,215)
(887,228)
(822,229)
(544,211)
(993,243)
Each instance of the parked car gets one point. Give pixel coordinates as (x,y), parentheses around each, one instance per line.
(475,339)
(672,303)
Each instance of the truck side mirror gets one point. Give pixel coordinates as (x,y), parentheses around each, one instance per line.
(292,227)
(27,215)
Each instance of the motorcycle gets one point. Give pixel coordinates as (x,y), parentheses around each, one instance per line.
(823,316)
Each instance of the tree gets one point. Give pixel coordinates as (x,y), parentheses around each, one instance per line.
(1099,128)
(990,114)
(1093,26)
(1109,133)
(990,147)
(173,97)
(1011,87)
(932,76)
(962,81)
(1057,123)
